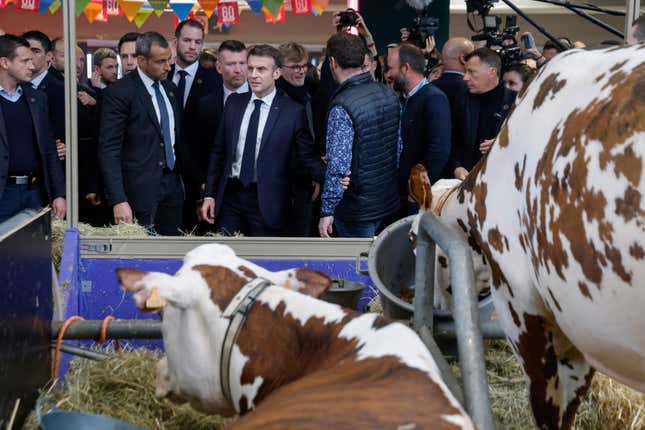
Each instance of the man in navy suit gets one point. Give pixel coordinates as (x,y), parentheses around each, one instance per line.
(193,83)
(260,136)
(30,172)
(44,80)
(140,148)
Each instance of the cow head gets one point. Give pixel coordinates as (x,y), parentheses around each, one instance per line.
(193,301)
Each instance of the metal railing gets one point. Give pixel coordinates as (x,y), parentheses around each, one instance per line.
(466,314)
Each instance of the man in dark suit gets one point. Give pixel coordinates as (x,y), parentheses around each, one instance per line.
(45,81)
(232,67)
(30,172)
(140,148)
(481,111)
(259,137)
(425,120)
(193,83)
(451,82)
(57,67)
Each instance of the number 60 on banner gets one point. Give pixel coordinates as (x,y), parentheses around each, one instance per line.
(228,13)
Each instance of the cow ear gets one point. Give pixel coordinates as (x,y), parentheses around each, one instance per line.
(313,283)
(129,279)
(419,187)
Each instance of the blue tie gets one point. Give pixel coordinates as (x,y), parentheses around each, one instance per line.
(181,86)
(165,127)
(247,172)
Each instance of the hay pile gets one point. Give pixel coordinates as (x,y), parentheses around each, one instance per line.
(121,230)
(123,387)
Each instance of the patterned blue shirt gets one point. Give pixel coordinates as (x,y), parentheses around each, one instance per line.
(340,137)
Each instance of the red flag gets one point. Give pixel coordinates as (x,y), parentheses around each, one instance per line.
(29,5)
(228,13)
(3,3)
(301,7)
(111,8)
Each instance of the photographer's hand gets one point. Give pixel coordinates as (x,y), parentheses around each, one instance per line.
(367,35)
(484,147)
(430,45)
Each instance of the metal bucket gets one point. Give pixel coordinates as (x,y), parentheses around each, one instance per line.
(391,264)
(345,293)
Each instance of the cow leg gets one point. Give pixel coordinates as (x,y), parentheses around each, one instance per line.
(558,374)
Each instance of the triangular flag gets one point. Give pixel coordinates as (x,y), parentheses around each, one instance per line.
(255,5)
(44,5)
(3,3)
(281,16)
(80,6)
(182,8)
(142,16)
(158,6)
(92,10)
(273,6)
(55,6)
(208,6)
(130,8)
(320,6)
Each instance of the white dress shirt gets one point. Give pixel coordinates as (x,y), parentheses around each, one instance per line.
(147,82)
(264,115)
(244,88)
(190,77)
(37,80)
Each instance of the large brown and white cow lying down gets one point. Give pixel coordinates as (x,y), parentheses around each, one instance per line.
(557,209)
(298,362)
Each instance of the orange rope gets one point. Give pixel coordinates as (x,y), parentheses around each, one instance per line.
(103,334)
(59,342)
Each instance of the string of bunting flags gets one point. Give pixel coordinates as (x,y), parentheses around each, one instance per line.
(138,11)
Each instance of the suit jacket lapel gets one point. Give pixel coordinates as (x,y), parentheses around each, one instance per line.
(144,96)
(274,113)
(238,123)
(174,102)
(35,112)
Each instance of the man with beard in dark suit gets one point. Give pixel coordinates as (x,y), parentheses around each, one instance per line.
(193,83)
(140,147)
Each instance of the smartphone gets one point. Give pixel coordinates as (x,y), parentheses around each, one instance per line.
(527,40)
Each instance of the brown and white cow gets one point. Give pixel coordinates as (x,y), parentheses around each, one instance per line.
(298,362)
(557,209)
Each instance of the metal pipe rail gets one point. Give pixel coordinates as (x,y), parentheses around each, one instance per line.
(116,329)
(466,314)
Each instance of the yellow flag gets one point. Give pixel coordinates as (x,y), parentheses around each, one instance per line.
(130,8)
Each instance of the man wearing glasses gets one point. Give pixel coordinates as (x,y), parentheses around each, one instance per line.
(309,178)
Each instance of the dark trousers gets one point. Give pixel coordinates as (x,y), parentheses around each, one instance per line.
(165,217)
(193,194)
(301,212)
(356,229)
(240,211)
(18,197)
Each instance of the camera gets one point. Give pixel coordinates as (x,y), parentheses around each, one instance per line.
(347,18)
(503,42)
(423,26)
(482,7)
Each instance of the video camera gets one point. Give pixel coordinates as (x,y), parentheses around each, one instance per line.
(503,42)
(423,26)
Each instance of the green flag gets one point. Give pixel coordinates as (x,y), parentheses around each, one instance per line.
(273,6)
(158,6)
(80,6)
